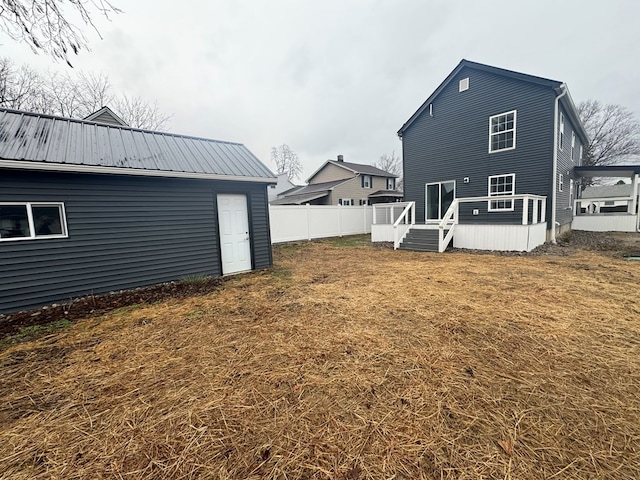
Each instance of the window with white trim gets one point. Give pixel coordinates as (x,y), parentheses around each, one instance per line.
(364,201)
(502,132)
(573,146)
(367,181)
(560,182)
(501,185)
(391,183)
(29,221)
(345,202)
(463,84)
(561,136)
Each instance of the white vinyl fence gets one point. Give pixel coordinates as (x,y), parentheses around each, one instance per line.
(306,222)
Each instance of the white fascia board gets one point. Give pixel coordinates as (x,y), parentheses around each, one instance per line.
(138,172)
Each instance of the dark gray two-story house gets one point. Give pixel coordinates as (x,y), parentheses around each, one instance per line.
(88,207)
(489,158)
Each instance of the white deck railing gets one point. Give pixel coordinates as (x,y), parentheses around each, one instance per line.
(399,215)
(595,206)
(450,218)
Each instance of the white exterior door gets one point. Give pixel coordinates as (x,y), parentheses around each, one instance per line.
(235,245)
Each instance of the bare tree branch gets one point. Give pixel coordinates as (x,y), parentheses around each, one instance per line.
(45,26)
(286,161)
(392,164)
(74,95)
(613,131)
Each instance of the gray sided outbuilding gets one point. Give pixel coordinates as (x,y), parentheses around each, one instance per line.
(130,208)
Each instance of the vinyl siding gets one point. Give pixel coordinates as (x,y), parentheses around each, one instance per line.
(564,205)
(353,189)
(124,232)
(330,173)
(454,143)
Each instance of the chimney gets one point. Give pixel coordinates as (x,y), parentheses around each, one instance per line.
(340,158)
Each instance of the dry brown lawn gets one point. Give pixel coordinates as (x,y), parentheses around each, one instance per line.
(345,361)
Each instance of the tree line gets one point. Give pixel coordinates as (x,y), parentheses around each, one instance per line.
(72,95)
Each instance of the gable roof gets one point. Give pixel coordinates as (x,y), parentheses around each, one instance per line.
(44,142)
(106,115)
(546,82)
(307,193)
(356,168)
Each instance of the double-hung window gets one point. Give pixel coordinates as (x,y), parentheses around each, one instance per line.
(573,146)
(391,183)
(346,202)
(28,221)
(367,181)
(561,129)
(499,186)
(502,132)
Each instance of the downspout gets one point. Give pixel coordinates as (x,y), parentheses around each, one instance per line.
(554,196)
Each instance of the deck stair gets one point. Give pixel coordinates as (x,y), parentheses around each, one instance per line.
(420,240)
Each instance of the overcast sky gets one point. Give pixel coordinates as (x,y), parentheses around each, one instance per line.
(341,76)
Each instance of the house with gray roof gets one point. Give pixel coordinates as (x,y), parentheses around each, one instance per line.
(88,208)
(493,160)
(338,182)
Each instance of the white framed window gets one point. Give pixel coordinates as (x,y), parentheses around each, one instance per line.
(32,221)
(391,183)
(560,182)
(346,202)
(561,135)
(501,185)
(367,181)
(573,146)
(364,201)
(463,84)
(502,132)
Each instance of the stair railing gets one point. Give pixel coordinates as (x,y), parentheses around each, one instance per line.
(403,224)
(450,219)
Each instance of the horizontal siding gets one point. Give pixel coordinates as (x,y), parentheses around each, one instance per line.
(454,143)
(124,232)
(330,173)
(261,235)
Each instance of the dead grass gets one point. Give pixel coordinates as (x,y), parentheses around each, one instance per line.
(344,362)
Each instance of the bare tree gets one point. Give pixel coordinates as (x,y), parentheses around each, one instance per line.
(393,164)
(45,26)
(17,84)
(614,133)
(72,96)
(140,114)
(286,161)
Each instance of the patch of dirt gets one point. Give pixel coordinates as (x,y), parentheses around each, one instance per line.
(98,304)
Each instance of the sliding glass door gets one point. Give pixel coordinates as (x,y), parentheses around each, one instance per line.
(439,197)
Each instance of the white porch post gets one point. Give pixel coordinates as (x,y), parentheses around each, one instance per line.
(525,210)
(544,211)
(634,193)
(535,212)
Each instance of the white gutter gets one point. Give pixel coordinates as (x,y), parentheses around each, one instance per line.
(554,197)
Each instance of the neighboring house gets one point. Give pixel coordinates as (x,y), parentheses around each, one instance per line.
(343,183)
(283,185)
(88,208)
(614,198)
(499,147)
(106,115)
